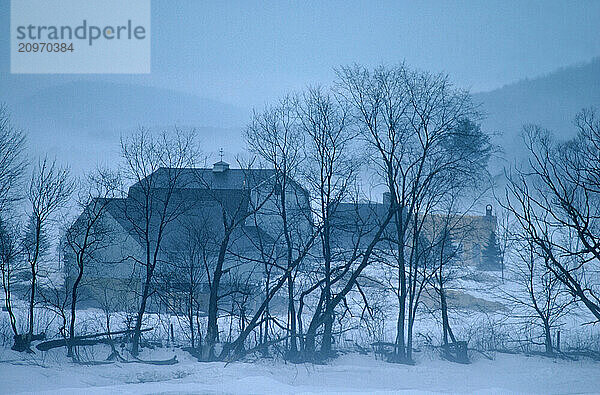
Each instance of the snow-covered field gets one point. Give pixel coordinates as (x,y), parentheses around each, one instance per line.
(351,373)
(53,372)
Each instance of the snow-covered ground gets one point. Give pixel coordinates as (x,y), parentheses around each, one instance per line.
(351,373)
(52,372)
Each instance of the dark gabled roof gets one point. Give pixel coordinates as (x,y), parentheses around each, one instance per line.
(201,209)
(352,214)
(202,195)
(202,178)
(205,219)
(354,221)
(249,238)
(207,179)
(116,209)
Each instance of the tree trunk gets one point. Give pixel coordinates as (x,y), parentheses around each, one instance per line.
(400,345)
(265,334)
(191,319)
(293,351)
(8,298)
(400,341)
(73,310)
(32,298)
(409,341)
(213,325)
(38,232)
(447,331)
(212,332)
(327,336)
(328,313)
(311,333)
(548,338)
(135,347)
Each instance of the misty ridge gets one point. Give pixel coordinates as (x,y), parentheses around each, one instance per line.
(91,115)
(550,101)
(387,220)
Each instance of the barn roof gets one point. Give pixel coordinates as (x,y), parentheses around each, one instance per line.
(203,178)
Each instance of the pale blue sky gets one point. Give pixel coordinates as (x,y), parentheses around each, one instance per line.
(246,53)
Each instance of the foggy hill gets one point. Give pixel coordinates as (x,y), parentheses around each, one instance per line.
(108,106)
(551,101)
(82,121)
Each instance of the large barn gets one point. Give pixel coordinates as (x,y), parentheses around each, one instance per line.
(198,202)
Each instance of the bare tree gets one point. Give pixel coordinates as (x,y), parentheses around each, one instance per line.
(9,265)
(268,255)
(56,299)
(540,299)
(12,160)
(49,191)
(89,234)
(182,282)
(236,349)
(554,199)
(445,254)
(233,209)
(12,169)
(330,170)
(274,136)
(152,203)
(446,232)
(411,120)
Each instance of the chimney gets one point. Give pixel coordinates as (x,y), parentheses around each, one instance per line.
(220,167)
